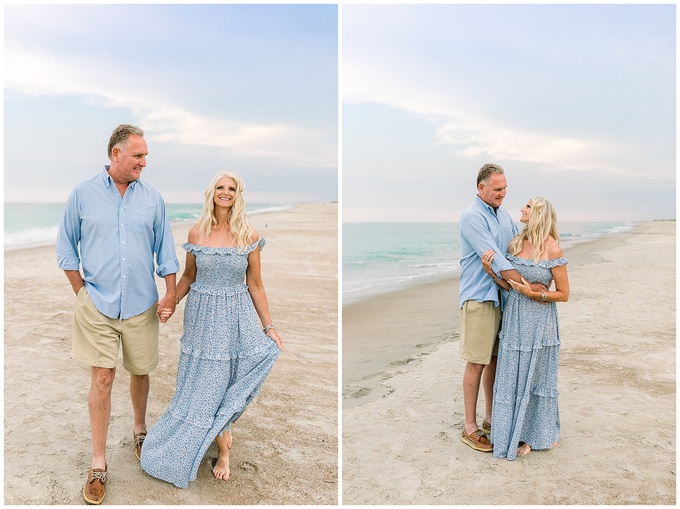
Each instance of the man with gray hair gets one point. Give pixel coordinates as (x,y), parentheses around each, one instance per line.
(115,226)
(483,225)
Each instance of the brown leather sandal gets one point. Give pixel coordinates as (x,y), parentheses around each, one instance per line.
(486,427)
(95,487)
(477,440)
(139,441)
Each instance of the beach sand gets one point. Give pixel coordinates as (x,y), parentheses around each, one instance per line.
(403,405)
(285,444)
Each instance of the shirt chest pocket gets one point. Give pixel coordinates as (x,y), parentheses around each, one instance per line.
(140,219)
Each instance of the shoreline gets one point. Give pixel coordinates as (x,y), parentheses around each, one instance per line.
(174,225)
(367,293)
(403,405)
(364,368)
(47,437)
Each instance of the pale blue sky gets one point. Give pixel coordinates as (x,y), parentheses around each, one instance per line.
(250,88)
(576,102)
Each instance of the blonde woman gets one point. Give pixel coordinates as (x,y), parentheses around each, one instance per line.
(525,413)
(229,342)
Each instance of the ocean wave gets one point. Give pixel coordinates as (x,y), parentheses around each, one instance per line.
(31,237)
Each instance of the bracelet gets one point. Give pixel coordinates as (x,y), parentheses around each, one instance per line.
(266,329)
(544,297)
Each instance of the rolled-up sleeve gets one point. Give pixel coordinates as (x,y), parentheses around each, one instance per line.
(68,235)
(164,244)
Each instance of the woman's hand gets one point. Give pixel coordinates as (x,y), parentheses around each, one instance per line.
(524,288)
(274,336)
(164,314)
(487,258)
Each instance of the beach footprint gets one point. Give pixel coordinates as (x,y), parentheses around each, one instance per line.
(248,467)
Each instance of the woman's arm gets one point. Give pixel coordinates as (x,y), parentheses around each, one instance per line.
(487,258)
(189,274)
(188,277)
(559,273)
(258,294)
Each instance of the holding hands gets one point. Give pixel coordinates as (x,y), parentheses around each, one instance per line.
(166,306)
(164,314)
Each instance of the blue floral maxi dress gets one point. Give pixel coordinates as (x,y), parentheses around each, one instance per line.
(525,391)
(224,359)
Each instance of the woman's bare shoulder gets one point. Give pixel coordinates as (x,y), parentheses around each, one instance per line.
(553,248)
(194,234)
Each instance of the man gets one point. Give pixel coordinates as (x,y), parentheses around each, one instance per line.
(484,225)
(119,224)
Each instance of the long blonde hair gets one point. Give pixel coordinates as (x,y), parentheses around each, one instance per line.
(241,229)
(542,223)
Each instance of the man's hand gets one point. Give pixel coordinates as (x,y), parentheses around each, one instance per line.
(166,307)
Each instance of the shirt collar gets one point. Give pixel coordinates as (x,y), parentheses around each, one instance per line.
(108,180)
(486,206)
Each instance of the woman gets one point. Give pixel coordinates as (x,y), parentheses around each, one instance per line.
(525,414)
(225,353)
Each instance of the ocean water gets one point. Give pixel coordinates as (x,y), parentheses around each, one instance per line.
(36,224)
(382,257)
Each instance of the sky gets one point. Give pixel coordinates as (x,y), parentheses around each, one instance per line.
(248,88)
(576,102)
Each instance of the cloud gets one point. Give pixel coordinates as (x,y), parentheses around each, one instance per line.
(38,72)
(464,122)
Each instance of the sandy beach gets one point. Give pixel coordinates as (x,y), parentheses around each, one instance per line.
(285,447)
(402,390)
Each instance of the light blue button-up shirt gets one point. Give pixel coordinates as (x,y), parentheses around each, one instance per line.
(118,239)
(482,229)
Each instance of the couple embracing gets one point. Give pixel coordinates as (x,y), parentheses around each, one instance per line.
(509,327)
(114,238)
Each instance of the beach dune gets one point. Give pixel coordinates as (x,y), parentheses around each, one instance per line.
(402,390)
(286,443)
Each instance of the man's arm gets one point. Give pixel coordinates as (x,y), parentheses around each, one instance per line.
(166,306)
(477,234)
(75,279)
(479,237)
(513,275)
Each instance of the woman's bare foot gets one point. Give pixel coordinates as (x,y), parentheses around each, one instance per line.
(523,449)
(221,468)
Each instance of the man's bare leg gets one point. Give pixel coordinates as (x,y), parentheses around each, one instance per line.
(471,382)
(99,406)
(488,379)
(139,394)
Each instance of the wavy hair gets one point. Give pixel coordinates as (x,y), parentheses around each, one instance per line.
(120,135)
(487,170)
(542,223)
(241,229)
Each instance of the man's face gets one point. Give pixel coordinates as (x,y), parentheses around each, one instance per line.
(493,193)
(130,158)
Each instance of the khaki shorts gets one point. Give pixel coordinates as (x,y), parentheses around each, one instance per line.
(479,326)
(96,337)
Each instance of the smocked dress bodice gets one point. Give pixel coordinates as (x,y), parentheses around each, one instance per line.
(220,268)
